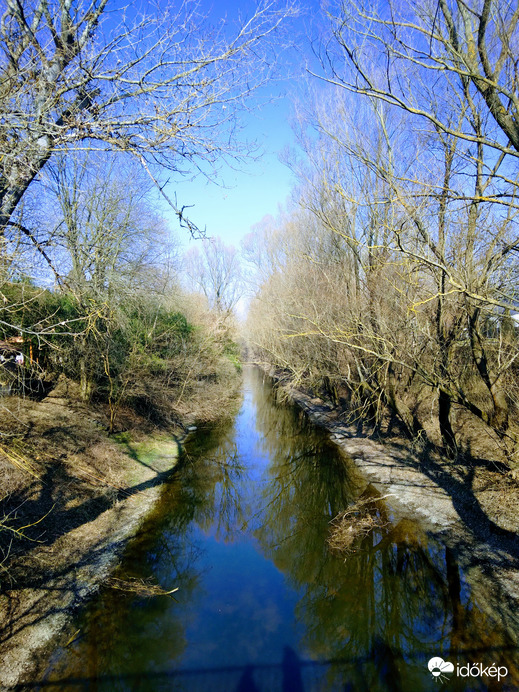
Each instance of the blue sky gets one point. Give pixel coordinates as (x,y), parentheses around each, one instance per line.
(257,189)
(260,186)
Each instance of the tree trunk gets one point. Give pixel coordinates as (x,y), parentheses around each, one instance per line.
(408,417)
(85,375)
(499,417)
(446,431)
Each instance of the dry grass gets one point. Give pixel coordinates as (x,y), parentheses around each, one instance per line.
(140,587)
(59,466)
(355,523)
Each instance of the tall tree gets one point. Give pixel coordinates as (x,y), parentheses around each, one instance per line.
(469,47)
(216,272)
(105,232)
(450,67)
(158,81)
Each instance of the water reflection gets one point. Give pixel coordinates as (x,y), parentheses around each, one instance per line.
(262,603)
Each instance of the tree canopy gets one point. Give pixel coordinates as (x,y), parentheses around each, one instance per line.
(156,80)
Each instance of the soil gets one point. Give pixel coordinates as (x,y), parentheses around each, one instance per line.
(71,499)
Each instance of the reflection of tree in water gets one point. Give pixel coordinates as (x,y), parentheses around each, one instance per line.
(165,551)
(381,613)
(109,639)
(395,602)
(222,472)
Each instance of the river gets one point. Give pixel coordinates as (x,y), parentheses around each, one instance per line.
(263,604)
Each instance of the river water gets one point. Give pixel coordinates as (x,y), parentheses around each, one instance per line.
(263,605)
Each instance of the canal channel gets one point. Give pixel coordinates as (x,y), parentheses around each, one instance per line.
(263,604)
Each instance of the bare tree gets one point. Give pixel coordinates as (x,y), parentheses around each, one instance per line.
(448,45)
(449,67)
(159,82)
(106,247)
(407,307)
(105,234)
(216,271)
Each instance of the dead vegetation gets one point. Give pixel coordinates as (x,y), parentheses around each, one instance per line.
(61,470)
(356,522)
(140,587)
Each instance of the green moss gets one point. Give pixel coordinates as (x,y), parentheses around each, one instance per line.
(122,437)
(159,453)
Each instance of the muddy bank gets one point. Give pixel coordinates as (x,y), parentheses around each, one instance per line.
(470,509)
(72,497)
(87,496)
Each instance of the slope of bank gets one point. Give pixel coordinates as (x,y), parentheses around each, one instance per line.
(76,496)
(472,510)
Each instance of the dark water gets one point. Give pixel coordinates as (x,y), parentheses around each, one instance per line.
(263,605)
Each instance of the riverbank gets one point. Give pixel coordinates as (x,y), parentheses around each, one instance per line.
(470,507)
(243,533)
(76,496)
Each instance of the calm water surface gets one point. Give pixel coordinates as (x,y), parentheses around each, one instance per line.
(263,605)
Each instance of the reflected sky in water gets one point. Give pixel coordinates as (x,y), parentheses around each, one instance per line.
(263,605)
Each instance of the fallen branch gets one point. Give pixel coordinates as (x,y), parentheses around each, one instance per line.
(139,586)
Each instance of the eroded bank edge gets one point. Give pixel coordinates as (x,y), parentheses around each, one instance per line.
(57,602)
